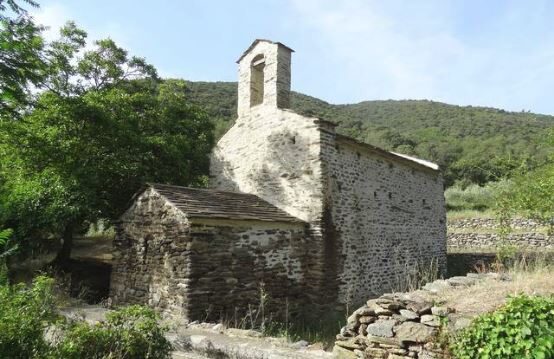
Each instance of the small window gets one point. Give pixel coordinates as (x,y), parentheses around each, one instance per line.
(257,80)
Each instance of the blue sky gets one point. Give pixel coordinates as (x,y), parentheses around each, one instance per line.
(497,53)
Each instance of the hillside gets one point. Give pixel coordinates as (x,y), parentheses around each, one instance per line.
(472,144)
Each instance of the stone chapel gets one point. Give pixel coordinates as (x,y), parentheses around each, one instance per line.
(295,211)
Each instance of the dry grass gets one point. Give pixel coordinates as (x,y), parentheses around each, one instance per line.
(489,294)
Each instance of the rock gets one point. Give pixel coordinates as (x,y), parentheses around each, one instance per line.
(391,304)
(342,353)
(349,344)
(381,340)
(414,332)
(425,354)
(398,351)
(367,320)
(437,286)
(381,328)
(378,310)
(461,281)
(420,307)
(408,314)
(364,311)
(430,320)
(376,353)
(353,319)
(395,356)
(362,330)
(441,311)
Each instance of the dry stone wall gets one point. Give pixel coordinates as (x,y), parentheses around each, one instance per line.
(475,233)
(402,325)
(236,268)
(389,218)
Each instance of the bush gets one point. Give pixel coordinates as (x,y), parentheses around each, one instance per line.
(523,328)
(25,313)
(130,333)
(473,197)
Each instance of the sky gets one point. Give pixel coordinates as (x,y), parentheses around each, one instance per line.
(496,53)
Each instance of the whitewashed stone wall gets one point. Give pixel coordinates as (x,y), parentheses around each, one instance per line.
(274,154)
(276,86)
(371,217)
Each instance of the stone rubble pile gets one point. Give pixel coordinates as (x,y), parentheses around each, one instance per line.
(402,325)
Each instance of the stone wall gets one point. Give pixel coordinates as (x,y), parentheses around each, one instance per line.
(151,256)
(275,154)
(482,233)
(403,325)
(389,219)
(234,264)
(276,76)
(372,217)
(208,269)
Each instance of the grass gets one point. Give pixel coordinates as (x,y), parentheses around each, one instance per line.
(531,276)
(469,213)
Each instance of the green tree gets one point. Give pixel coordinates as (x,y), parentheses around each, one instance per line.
(531,194)
(105,126)
(22,63)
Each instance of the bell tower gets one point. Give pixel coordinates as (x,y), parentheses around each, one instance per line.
(264,76)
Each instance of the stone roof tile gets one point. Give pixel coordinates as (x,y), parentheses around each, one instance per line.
(216,204)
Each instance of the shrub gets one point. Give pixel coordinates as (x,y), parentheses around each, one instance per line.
(523,328)
(473,197)
(131,333)
(25,313)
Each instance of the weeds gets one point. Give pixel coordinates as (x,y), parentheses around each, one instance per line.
(414,276)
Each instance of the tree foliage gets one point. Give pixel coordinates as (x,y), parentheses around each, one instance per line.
(531,194)
(103,125)
(22,64)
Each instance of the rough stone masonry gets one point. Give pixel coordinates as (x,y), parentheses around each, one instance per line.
(295,210)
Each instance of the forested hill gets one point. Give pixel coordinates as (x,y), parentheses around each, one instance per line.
(472,144)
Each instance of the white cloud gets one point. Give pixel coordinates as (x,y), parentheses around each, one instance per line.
(53,16)
(401,49)
(392,54)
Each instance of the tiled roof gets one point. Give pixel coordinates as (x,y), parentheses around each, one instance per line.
(210,203)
